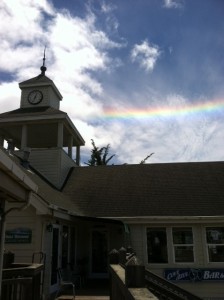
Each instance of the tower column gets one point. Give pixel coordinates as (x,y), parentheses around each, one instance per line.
(70,146)
(24,137)
(60,135)
(78,155)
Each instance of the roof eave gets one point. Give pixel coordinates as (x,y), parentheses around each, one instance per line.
(168,219)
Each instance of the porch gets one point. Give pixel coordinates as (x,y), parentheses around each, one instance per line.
(94,289)
(23,282)
(127,281)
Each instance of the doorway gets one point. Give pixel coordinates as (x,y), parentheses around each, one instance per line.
(99,253)
(65,247)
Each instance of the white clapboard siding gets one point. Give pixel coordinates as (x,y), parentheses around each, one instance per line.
(24,219)
(54,164)
(205,289)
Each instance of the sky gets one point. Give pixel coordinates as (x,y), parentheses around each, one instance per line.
(145,76)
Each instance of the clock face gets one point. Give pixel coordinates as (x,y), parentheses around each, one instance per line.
(35,97)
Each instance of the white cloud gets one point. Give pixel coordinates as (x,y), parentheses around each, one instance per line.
(146,55)
(9,96)
(106,7)
(173,3)
(25,18)
(21,42)
(173,137)
(76,49)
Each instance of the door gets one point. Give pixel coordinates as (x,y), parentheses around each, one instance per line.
(72,246)
(99,253)
(55,257)
(65,247)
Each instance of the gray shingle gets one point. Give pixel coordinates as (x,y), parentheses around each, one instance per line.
(171,189)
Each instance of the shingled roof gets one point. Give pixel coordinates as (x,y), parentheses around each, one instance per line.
(38,79)
(170,189)
(31,111)
(52,196)
(143,190)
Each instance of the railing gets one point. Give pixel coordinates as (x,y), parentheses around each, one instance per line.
(17,288)
(130,281)
(164,289)
(21,282)
(120,291)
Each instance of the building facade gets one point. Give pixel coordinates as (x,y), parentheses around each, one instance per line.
(170,214)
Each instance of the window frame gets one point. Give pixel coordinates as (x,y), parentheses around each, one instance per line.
(165,228)
(210,244)
(183,245)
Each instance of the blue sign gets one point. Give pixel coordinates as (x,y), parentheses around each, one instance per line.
(194,274)
(18,236)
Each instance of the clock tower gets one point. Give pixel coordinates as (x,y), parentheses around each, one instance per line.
(40,91)
(41,129)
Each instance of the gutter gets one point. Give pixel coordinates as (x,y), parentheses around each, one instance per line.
(168,219)
(21,208)
(10,167)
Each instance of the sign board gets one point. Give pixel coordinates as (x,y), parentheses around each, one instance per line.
(18,236)
(194,274)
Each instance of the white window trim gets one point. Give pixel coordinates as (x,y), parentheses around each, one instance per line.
(173,245)
(167,245)
(207,244)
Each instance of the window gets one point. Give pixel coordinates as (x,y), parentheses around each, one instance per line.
(215,243)
(157,245)
(183,244)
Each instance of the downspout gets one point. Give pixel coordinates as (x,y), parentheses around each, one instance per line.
(2,232)
(21,208)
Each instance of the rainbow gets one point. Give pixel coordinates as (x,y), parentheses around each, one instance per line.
(166,111)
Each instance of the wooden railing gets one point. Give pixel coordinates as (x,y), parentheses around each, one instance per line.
(120,291)
(21,282)
(17,288)
(131,281)
(164,289)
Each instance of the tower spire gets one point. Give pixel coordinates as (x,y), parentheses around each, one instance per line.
(43,68)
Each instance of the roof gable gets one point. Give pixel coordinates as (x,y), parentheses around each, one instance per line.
(38,79)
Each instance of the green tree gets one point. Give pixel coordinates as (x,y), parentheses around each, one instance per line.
(99,156)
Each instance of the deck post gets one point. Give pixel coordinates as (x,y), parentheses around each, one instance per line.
(122,256)
(114,257)
(134,273)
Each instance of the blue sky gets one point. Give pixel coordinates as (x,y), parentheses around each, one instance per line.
(141,75)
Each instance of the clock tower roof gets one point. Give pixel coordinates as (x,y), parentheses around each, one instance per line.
(40,81)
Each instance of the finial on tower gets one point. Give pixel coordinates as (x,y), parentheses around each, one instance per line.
(43,68)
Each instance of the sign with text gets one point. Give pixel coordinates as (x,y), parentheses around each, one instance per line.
(18,236)
(194,274)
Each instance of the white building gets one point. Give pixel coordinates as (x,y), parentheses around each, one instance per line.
(171,214)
